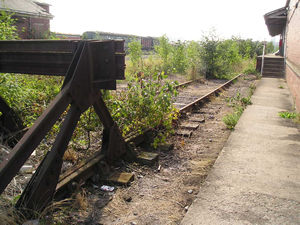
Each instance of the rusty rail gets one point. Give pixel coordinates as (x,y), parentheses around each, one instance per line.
(88,66)
(208,95)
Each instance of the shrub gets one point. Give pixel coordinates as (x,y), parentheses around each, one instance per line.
(164,50)
(135,54)
(193,58)
(8,30)
(209,54)
(148,103)
(178,57)
(231,119)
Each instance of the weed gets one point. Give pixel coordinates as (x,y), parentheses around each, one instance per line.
(252,88)
(246,101)
(238,103)
(231,119)
(288,115)
(281,87)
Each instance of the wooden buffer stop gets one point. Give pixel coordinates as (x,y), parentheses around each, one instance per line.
(88,67)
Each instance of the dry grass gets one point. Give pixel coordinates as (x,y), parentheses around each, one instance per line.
(71,156)
(80,200)
(8,213)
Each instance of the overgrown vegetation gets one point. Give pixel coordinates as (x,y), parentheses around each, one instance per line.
(147,103)
(238,103)
(7,26)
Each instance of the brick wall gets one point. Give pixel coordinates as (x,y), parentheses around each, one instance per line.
(293,51)
(32,28)
(39,27)
(22,25)
(293,81)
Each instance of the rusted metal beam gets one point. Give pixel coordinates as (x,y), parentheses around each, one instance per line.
(11,125)
(93,65)
(113,144)
(40,190)
(37,57)
(21,152)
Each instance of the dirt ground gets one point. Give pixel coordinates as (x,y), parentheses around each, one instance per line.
(161,194)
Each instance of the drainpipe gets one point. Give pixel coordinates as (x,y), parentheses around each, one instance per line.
(263,59)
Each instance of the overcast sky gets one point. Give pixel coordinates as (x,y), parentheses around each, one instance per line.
(178,19)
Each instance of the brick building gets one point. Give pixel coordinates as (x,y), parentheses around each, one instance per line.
(33,17)
(286,22)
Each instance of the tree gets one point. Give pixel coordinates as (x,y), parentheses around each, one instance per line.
(135,53)
(179,59)
(164,50)
(193,57)
(209,53)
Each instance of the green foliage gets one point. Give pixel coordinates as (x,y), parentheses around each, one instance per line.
(50,35)
(29,95)
(179,58)
(288,115)
(231,119)
(148,103)
(238,103)
(135,54)
(193,58)
(209,54)
(248,48)
(228,57)
(164,50)
(270,48)
(7,26)
(250,70)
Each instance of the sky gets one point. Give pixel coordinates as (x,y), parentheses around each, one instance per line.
(178,19)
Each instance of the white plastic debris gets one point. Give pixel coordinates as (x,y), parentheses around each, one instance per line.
(32,222)
(107,188)
(26,169)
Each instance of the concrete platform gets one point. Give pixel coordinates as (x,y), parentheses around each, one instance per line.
(256,179)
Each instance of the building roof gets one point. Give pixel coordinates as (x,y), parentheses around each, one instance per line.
(41,2)
(276,20)
(25,8)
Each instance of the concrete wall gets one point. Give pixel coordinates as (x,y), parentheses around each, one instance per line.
(293,51)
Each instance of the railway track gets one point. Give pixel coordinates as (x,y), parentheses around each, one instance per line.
(185,103)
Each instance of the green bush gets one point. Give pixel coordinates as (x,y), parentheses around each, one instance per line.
(209,54)
(29,95)
(148,103)
(135,54)
(164,50)
(193,58)
(179,57)
(231,119)
(8,30)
